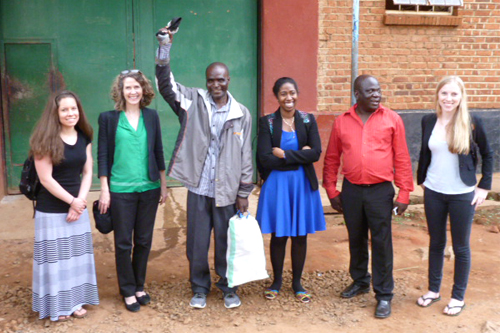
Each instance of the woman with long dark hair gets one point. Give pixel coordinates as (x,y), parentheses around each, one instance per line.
(133,182)
(63,268)
(289,203)
(451,140)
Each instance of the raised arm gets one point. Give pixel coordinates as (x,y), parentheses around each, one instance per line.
(175,94)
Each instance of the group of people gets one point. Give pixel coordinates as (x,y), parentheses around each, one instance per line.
(212,157)
(369,141)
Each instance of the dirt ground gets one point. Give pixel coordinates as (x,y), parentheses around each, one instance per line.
(325,276)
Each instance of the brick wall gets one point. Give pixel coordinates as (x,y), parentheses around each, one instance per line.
(409,60)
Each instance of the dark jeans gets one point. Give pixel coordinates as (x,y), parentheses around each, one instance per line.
(369,208)
(203,216)
(461,212)
(133,215)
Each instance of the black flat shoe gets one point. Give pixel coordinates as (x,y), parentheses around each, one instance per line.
(134,307)
(144,299)
(383,309)
(353,290)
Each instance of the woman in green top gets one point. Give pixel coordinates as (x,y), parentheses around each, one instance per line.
(132,174)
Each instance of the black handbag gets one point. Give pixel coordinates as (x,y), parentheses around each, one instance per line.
(103,222)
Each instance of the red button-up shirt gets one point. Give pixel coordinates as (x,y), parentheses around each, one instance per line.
(371,153)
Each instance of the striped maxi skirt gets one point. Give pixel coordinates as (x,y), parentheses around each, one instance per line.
(64,276)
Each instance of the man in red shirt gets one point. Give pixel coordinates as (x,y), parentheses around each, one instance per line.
(370,140)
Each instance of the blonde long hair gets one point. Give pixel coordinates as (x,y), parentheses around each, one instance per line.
(459,128)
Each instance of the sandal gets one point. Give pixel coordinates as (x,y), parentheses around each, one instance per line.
(425,299)
(271,294)
(303,297)
(461,307)
(78,313)
(63,318)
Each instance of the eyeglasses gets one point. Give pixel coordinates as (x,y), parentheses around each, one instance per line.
(130,71)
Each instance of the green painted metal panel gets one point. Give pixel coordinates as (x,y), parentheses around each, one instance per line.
(28,81)
(95,40)
(216,30)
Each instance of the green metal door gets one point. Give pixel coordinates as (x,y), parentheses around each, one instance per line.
(215,30)
(82,45)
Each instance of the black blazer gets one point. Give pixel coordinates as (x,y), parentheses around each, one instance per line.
(467,165)
(108,123)
(270,130)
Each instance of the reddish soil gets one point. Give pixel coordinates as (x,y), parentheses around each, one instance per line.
(326,275)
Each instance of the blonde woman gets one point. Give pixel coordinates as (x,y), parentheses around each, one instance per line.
(451,140)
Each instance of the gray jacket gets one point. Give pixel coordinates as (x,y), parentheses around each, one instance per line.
(192,107)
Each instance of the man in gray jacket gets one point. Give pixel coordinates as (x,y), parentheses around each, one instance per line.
(213,159)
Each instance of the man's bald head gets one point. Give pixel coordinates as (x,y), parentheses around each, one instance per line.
(218,82)
(368,93)
(358,82)
(217,64)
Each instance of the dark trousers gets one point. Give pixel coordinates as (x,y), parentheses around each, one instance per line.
(437,208)
(369,208)
(203,216)
(133,215)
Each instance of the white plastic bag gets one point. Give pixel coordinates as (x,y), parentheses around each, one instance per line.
(246,259)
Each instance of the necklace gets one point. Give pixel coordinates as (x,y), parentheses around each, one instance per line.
(290,125)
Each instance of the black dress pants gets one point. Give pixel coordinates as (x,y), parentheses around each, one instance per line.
(368,208)
(203,216)
(133,216)
(438,206)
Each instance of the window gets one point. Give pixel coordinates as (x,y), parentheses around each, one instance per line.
(425,6)
(423,12)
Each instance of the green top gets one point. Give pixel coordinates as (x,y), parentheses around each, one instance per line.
(130,170)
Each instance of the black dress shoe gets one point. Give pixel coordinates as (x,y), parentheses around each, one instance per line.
(144,299)
(134,307)
(354,289)
(383,309)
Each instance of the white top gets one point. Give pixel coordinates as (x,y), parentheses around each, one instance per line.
(443,174)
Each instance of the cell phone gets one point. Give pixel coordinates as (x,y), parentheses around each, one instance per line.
(395,210)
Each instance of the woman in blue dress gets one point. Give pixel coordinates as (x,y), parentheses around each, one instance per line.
(289,203)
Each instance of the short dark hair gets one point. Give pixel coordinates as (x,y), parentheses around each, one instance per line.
(281,81)
(217,64)
(360,79)
(117,90)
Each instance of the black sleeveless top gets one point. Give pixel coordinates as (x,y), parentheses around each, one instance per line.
(67,174)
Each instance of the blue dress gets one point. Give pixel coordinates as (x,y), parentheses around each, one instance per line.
(287,204)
